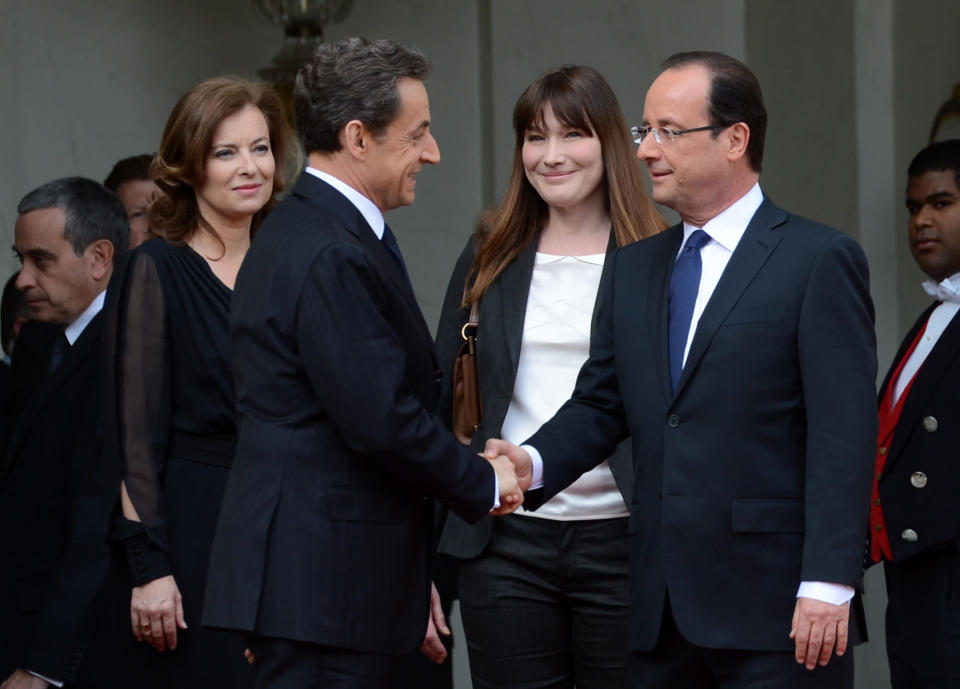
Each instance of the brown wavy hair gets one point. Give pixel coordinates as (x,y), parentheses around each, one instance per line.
(581,98)
(180,164)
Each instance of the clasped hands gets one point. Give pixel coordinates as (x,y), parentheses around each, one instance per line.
(514,473)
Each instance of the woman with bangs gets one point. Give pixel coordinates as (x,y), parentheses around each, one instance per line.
(170,430)
(544,595)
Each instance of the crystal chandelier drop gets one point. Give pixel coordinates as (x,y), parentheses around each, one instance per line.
(302,22)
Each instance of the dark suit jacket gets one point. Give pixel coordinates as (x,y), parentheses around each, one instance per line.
(755,475)
(502,313)
(53,538)
(930,510)
(28,371)
(324,531)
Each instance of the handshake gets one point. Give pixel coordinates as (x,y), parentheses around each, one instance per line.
(514,473)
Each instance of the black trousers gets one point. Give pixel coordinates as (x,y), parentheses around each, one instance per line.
(923,620)
(546,605)
(675,663)
(285,664)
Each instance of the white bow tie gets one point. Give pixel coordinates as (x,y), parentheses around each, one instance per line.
(942,291)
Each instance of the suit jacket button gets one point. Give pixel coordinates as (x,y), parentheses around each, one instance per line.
(673,421)
(930,423)
(909,535)
(918,479)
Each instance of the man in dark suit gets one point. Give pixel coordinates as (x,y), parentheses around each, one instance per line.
(322,546)
(53,535)
(737,349)
(914,520)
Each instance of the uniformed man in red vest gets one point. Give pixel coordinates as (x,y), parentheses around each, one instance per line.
(915,506)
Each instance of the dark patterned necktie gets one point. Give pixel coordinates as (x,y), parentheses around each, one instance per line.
(59,348)
(390,241)
(684,285)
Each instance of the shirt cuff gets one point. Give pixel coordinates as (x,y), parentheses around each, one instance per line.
(835,594)
(146,560)
(496,491)
(537,461)
(46,679)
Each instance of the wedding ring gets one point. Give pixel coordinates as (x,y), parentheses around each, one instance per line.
(145,627)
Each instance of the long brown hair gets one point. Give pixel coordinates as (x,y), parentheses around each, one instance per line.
(180,164)
(580,99)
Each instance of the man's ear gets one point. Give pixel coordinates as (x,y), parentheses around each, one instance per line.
(355,139)
(739,136)
(100,253)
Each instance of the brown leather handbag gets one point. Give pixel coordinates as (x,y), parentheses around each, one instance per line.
(467,411)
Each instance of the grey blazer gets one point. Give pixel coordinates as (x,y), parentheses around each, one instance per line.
(502,312)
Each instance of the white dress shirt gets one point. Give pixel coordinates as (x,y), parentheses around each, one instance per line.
(368,209)
(75,329)
(725,232)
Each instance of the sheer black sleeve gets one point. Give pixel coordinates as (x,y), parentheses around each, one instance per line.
(138,413)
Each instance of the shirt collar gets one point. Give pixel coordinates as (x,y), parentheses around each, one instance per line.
(75,329)
(945,290)
(727,228)
(367,208)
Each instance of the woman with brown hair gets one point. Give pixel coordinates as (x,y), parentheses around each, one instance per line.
(170,430)
(543,595)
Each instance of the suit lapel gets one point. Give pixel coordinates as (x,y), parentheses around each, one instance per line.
(757,243)
(902,351)
(514,289)
(325,199)
(658,282)
(929,377)
(73,359)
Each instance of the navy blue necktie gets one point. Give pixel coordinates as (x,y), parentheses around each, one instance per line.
(390,241)
(684,285)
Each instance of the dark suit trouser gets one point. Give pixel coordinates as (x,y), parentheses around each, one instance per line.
(546,605)
(285,664)
(923,620)
(415,670)
(675,663)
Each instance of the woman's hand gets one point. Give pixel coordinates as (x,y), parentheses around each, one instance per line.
(156,611)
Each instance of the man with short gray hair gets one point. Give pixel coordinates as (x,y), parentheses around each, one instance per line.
(323,542)
(53,539)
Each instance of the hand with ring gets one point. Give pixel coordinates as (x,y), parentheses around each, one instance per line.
(156,613)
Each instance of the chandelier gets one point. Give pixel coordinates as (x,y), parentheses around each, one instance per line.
(302,22)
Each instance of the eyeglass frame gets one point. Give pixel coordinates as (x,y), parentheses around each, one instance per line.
(672,134)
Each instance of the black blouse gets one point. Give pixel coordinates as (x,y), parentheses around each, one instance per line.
(171,387)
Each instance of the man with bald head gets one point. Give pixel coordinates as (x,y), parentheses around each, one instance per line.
(737,350)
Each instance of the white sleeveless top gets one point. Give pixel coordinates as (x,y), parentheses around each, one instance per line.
(555,344)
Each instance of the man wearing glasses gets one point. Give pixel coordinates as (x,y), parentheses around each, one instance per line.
(737,349)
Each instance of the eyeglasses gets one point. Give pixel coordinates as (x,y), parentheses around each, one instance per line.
(660,134)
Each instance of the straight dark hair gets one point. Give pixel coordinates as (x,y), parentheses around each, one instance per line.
(582,99)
